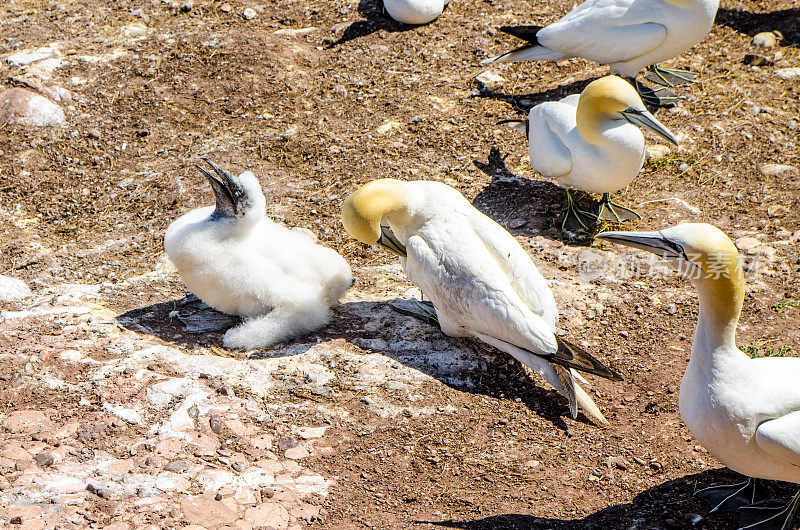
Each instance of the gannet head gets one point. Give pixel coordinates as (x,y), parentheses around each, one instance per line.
(238,198)
(700,251)
(612,98)
(365,213)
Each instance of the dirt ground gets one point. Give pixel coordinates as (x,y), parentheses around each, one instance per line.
(318,98)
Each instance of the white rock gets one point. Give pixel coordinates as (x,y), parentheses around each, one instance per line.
(129,415)
(23,107)
(70,355)
(13,289)
(26,57)
(656,151)
(309,433)
(788,73)
(766,39)
(249,13)
(300,32)
(490,79)
(776,169)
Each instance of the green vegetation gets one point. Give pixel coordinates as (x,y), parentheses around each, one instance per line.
(754,350)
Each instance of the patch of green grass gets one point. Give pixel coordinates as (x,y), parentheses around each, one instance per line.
(777,306)
(753,350)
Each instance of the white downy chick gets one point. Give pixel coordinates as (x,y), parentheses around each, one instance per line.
(238,261)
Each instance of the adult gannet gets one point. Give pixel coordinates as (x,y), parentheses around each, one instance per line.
(592,142)
(745,411)
(628,35)
(480,280)
(415,11)
(238,261)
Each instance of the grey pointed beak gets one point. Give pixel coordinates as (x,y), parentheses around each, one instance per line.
(389,241)
(654,242)
(227,191)
(645,120)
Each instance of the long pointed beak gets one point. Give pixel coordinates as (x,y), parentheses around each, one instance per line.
(389,241)
(645,120)
(654,242)
(226,190)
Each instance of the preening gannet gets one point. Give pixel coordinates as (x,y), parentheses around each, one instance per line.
(239,262)
(745,411)
(480,280)
(592,142)
(628,35)
(415,11)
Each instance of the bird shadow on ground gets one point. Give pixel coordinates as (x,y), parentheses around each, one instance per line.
(522,103)
(374,20)
(186,321)
(463,364)
(667,505)
(527,207)
(787,21)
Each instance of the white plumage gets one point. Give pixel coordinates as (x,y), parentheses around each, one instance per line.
(745,411)
(415,11)
(592,141)
(240,262)
(628,35)
(480,280)
(605,151)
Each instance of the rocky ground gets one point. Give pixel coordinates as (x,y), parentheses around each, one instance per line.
(120,409)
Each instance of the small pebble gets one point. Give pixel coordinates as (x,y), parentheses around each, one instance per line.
(249,13)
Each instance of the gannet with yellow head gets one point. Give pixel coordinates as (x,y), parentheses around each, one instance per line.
(628,35)
(592,142)
(745,411)
(481,282)
(238,261)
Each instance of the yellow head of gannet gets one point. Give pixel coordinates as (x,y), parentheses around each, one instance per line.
(610,98)
(365,210)
(480,281)
(745,411)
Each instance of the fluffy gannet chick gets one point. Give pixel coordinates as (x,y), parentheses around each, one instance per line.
(240,262)
(415,11)
(480,280)
(592,142)
(745,411)
(628,35)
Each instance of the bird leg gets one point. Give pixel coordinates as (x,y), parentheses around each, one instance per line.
(611,211)
(419,309)
(732,497)
(770,514)
(574,212)
(669,77)
(654,97)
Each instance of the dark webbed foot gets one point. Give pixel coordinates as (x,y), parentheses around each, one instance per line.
(669,76)
(575,218)
(419,309)
(732,497)
(613,212)
(770,514)
(655,97)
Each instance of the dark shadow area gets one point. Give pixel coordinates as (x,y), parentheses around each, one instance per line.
(464,364)
(375,19)
(667,505)
(787,21)
(187,321)
(522,103)
(527,207)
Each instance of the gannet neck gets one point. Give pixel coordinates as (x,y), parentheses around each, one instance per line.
(364,211)
(600,102)
(721,301)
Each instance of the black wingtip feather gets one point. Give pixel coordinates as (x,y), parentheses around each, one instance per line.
(576,357)
(526,33)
